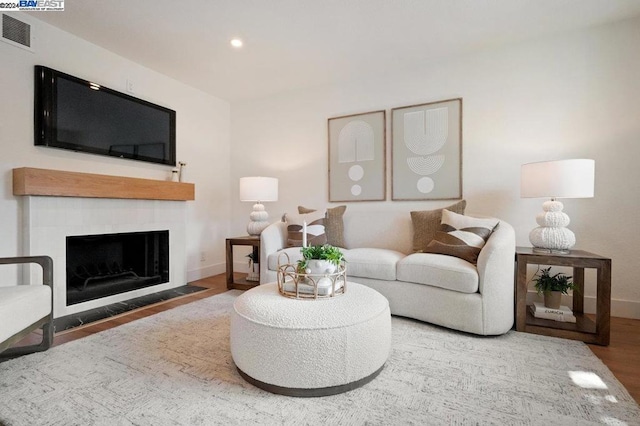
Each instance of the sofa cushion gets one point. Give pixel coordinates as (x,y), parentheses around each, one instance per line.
(280,257)
(334,225)
(427,222)
(437,270)
(461,236)
(372,263)
(21,306)
(316,235)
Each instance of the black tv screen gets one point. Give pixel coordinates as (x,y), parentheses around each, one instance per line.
(79,115)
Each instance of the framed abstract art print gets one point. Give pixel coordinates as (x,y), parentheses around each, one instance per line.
(426,151)
(357,158)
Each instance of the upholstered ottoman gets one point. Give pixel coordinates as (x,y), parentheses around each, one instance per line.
(310,347)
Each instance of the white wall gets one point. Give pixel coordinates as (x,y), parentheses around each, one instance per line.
(203,135)
(570,96)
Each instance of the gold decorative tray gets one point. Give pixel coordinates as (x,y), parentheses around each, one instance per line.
(296,285)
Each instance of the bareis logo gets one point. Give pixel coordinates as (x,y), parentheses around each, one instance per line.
(32,5)
(41,3)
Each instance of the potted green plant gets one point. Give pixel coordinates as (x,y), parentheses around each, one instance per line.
(552,286)
(323,259)
(254,268)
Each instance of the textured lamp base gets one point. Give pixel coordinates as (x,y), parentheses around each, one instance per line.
(549,251)
(259,220)
(256,228)
(552,236)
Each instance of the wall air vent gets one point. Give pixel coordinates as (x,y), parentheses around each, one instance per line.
(16,32)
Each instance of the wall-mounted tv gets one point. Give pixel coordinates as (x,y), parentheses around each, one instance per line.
(75,114)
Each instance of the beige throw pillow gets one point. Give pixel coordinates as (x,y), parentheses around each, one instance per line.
(334,225)
(461,236)
(304,210)
(427,222)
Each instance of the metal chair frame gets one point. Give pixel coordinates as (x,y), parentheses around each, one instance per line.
(46,323)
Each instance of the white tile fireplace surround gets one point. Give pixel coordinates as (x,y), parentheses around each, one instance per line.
(47,222)
(58,204)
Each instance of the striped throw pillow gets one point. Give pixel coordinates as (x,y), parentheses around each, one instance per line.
(316,235)
(461,236)
(427,222)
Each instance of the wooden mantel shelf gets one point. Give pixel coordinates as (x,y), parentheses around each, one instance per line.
(30,181)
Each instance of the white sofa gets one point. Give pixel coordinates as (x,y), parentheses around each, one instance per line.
(434,288)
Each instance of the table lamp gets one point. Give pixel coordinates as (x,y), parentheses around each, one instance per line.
(258,189)
(556,179)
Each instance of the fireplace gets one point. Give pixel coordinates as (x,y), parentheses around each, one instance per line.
(103,265)
(57,204)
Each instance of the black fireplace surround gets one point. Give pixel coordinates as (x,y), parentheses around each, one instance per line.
(104,265)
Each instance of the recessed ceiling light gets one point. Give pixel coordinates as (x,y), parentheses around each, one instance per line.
(236,42)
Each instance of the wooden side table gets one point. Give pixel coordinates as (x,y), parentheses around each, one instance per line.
(241,284)
(585,328)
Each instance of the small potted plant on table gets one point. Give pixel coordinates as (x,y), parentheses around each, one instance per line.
(323,259)
(319,274)
(552,286)
(254,268)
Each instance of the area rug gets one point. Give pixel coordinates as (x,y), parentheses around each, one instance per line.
(175,368)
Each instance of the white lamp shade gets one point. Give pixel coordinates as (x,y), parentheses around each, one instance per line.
(558,179)
(258,188)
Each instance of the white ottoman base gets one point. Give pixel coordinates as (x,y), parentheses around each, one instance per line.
(310,347)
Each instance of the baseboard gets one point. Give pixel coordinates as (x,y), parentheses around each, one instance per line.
(217,269)
(619,308)
(625,309)
(204,272)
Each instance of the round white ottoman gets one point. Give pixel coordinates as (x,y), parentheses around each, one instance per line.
(310,347)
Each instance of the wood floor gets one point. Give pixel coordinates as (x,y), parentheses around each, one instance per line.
(622,356)
(215,285)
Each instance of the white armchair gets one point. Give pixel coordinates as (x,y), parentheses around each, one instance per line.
(25,308)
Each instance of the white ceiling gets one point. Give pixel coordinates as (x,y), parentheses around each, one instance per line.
(292,44)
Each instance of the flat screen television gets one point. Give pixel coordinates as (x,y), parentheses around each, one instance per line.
(79,115)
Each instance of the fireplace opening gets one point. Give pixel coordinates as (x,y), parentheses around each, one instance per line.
(104,265)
